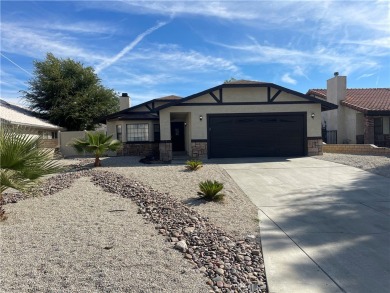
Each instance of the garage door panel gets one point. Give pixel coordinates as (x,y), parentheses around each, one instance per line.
(256,135)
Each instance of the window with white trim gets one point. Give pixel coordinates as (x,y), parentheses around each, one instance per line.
(137,132)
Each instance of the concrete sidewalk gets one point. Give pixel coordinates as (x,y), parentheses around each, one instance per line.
(325,227)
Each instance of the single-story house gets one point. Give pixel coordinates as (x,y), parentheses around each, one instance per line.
(11,114)
(236,119)
(363,115)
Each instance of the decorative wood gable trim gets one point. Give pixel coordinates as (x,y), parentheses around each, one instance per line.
(218,100)
(270,99)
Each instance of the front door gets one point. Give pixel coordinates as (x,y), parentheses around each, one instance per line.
(177,136)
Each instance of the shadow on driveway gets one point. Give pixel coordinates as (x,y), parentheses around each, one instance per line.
(325,227)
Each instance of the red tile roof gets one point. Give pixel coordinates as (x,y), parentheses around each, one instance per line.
(370,99)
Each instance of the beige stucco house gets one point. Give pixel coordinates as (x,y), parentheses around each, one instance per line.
(236,119)
(11,114)
(363,115)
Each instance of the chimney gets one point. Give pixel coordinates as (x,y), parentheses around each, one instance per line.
(336,89)
(124,102)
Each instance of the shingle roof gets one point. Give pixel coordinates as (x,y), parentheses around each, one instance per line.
(169,98)
(243,81)
(370,99)
(18,115)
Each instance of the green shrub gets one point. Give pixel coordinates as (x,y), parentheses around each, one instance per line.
(194,165)
(209,190)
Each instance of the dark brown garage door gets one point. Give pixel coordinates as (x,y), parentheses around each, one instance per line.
(260,135)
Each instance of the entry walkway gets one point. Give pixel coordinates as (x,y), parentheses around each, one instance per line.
(325,227)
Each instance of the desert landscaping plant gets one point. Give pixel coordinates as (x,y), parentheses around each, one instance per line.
(22,161)
(97,144)
(209,190)
(194,165)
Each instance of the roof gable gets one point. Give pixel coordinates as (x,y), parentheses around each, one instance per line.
(271,96)
(146,110)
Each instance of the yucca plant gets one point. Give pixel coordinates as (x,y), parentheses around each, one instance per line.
(96,143)
(22,161)
(194,165)
(209,190)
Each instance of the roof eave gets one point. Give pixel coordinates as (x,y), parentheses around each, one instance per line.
(34,125)
(325,106)
(368,112)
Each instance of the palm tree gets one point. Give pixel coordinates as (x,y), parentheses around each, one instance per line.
(96,143)
(22,161)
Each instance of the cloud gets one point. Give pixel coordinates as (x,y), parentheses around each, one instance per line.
(77,27)
(167,69)
(328,58)
(365,75)
(224,10)
(108,62)
(21,68)
(173,60)
(35,43)
(288,79)
(333,15)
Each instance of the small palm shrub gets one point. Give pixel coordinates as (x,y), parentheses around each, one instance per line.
(194,165)
(209,190)
(22,161)
(96,143)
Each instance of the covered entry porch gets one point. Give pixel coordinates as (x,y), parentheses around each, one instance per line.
(175,135)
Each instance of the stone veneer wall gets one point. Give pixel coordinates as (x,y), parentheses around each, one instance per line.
(49,143)
(369,130)
(199,149)
(356,149)
(314,146)
(165,148)
(139,149)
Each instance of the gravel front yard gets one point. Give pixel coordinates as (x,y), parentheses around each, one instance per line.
(236,215)
(375,164)
(82,239)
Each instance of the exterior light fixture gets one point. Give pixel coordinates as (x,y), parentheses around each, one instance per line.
(312,115)
(200,117)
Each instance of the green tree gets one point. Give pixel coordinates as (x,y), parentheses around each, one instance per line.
(22,161)
(68,94)
(97,144)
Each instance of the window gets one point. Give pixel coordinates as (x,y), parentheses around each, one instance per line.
(48,134)
(378,126)
(119,132)
(137,132)
(156,131)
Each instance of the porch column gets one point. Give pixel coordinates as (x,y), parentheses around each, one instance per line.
(368,130)
(165,149)
(165,146)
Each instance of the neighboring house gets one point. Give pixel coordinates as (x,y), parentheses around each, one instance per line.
(15,115)
(235,119)
(363,115)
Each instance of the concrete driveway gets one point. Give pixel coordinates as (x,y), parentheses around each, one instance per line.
(325,227)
